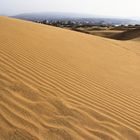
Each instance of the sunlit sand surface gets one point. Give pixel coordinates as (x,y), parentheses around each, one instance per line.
(57,84)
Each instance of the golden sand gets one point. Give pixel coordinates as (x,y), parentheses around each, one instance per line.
(57,84)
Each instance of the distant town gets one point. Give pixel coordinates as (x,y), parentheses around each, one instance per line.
(75,23)
(105,27)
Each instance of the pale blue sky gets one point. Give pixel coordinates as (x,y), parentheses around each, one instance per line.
(115,8)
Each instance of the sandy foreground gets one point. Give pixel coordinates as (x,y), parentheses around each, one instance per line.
(57,84)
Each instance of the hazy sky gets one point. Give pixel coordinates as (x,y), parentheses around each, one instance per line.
(119,8)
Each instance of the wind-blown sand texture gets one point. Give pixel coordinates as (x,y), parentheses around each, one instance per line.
(57,84)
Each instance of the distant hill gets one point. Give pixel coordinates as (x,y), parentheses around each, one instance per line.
(70,16)
(47,15)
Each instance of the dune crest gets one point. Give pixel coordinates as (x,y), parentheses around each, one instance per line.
(61,85)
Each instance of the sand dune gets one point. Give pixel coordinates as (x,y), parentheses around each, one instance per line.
(133,34)
(57,84)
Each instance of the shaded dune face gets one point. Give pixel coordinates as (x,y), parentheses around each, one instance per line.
(62,85)
(128,35)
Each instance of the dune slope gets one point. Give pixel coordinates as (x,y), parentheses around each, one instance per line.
(57,84)
(133,34)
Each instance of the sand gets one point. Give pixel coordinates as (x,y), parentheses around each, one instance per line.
(133,34)
(57,84)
